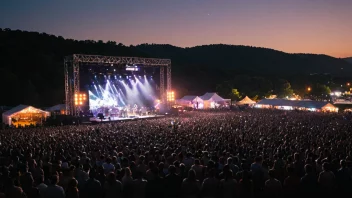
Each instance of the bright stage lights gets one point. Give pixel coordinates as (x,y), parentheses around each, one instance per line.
(170,96)
(80,98)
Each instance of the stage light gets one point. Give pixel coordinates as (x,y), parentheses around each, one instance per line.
(114,69)
(170,96)
(120,76)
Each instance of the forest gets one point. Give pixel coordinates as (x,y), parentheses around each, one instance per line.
(31,68)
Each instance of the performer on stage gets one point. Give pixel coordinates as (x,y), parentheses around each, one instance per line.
(135,108)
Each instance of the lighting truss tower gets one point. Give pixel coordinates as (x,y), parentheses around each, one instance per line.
(71,71)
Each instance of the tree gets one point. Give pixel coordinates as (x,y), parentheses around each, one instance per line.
(255,98)
(284,89)
(320,92)
(235,94)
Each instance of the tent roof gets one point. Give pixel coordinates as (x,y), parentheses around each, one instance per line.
(295,103)
(247,100)
(189,97)
(212,96)
(18,109)
(276,102)
(58,107)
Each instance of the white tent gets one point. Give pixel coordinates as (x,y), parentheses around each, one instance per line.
(24,114)
(213,100)
(246,101)
(58,108)
(190,101)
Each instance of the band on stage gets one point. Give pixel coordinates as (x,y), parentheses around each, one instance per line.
(123,112)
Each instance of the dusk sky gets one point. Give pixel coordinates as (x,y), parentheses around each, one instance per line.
(304,26)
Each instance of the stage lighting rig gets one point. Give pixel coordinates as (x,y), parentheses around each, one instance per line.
(80,99)
(170,96)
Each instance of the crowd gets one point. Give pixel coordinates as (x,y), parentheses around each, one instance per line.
(251,153)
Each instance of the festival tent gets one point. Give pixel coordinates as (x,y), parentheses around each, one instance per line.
(246,101)
(24,115)
(59,109)
(190,101)
(297,104)
(213,100)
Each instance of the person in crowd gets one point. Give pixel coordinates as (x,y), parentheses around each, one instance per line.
(92,188)
(273,187)
(139,186)
(210,185)
(41,185)
(112,187)
(190,187)
(246,185)
(228,186)
(326,180)
(198,168)
(28,186)
(344,179)
(127,183)
(13,191)
(53,190)
(108,166)
(72,189)
(172,183)
(291,183)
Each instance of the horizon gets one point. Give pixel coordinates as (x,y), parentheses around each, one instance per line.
(288,26)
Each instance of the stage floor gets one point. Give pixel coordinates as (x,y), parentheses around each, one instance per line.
(114,119)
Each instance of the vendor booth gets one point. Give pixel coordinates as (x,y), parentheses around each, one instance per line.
(24,115)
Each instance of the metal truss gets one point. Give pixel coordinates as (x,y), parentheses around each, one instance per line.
(75,60)
(67,87)
(162,85)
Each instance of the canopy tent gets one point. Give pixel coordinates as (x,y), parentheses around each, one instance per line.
(60,108)
(213,100)
(190,101)
(296,104)
(246,101)
(24,115)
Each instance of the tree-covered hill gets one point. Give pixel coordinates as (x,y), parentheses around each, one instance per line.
(348,59)
(31,66)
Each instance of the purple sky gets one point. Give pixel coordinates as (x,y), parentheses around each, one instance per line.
(307,26)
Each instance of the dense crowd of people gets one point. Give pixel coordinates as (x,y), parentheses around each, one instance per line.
(251,153)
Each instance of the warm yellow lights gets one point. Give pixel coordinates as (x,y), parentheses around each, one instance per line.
(80,98)
(309,89)
(170,96)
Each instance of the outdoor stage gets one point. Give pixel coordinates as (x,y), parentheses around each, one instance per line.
(116,119)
